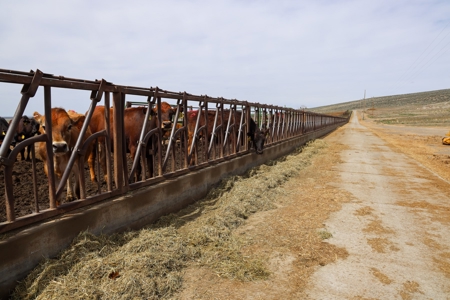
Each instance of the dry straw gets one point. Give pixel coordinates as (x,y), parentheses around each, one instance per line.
(149,263)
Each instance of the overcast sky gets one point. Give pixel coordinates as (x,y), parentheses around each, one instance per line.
(288,53)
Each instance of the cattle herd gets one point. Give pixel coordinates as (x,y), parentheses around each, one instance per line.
(67,131)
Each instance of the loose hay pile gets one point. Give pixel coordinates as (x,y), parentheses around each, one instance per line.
(149,263)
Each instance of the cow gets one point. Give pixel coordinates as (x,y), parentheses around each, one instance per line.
(3,128)
(134,118)
(256,136)
(65,132)
(79,121)
(26,128)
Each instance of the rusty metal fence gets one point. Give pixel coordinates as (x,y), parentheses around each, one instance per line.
(161,153)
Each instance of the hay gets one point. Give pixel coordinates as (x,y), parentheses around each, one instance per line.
(149,263)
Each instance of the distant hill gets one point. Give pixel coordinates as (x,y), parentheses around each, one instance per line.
(424,98)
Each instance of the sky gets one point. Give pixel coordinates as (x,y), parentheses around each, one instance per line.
(287,53)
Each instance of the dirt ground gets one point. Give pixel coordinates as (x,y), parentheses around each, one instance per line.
(378,199)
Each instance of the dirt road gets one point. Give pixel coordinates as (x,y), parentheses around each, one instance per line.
(395,228)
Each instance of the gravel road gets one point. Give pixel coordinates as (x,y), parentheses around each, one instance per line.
(395,228)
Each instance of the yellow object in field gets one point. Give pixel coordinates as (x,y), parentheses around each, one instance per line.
(446,140)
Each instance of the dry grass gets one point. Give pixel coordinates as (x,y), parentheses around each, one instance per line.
(440,213)
(376,227)
(409,288)
(382,245)
(364,211)
(149,264)
(380,276)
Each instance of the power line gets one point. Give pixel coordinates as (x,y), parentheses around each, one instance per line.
(431,61)
(419,61)
(425,49)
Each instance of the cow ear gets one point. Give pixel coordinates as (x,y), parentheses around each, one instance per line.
(37,116)
(76,117)
(79,120)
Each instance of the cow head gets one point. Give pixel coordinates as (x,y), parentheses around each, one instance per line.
(258,138)
(26,128)
(34,127)
(167,114)
(62,125)
(3,128)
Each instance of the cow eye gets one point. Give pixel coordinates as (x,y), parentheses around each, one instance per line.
(69,127)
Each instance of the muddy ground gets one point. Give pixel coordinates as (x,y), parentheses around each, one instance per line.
(24,186)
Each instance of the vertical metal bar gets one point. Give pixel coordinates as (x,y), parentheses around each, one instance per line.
(124,146)
(185,133)
(82,181)
(159,134)
(234,133)
(247,120)
(205,107)
(35,189)
(49,148)
(97,164)
(221,133)
(118,140)
(108,141)
(10,216)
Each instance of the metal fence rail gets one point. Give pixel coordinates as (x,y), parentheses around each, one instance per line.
(160,154)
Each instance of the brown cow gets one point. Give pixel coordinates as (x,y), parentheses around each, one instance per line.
(134,118)
(65,132)
(256,135)
(78,122)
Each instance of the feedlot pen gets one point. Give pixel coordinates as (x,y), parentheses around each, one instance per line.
(184,169)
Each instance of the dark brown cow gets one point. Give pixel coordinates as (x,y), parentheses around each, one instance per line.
(26,128)
(256,135)
(3,129)
(134,118)
(65,132)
